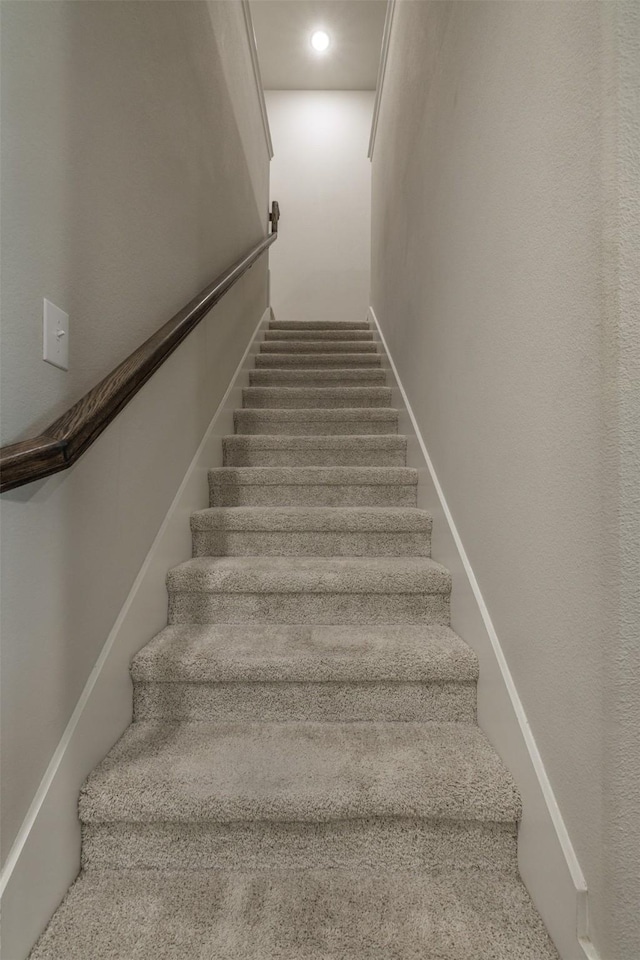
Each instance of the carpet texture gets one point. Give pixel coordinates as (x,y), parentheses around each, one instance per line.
(341,421)
(304,778)
(265,450)
(317,346)
(299,772)
(226,652)
(333,334)
(318,361)
(313,486)
(316,397)
(296,915)
(311,531)
(392,844)
(349,377)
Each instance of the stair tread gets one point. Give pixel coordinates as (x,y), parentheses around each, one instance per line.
(364,575)
(349,391)
(304,393)
(311,519)
(319,346)
(317,413)
(266,376)
(245,652)
(291,476)
(319,325)
(299,772)
(322,449)
(316,333)
(291,914)
(275,441)
(358,421)
(320,361)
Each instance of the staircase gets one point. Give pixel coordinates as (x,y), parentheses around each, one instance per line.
(304,778)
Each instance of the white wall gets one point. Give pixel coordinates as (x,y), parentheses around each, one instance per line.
(322,178)
(502,239)
(129,181)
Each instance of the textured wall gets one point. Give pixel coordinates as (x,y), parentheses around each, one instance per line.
(322,178)
(129,180)
(496,275)
(622,365)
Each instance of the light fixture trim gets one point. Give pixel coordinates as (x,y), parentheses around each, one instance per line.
(320,41)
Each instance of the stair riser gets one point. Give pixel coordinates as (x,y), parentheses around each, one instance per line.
(319,325)
(306,608)
(254,425)
(308,457)
(318,346)
(322,702)
(377,844)
(308,543)
(320,361)
(351,335)
(301,399)
(318,378)
(312,495)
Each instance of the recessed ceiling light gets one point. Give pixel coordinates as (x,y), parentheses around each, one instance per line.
(320,41)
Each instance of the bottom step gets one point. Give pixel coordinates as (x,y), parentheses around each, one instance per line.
(296,915)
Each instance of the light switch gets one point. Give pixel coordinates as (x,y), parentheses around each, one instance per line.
(56,336)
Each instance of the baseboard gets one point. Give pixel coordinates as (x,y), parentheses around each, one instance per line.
(45,857)
(547,860)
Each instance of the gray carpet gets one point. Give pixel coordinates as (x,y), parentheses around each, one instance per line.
(296,915)
(304,778)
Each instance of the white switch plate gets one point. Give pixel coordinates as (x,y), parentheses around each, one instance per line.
(56,336)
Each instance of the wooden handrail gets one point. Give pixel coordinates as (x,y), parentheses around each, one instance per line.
(67,438)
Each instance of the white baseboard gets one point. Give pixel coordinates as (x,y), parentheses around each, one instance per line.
(547,860)
(45,858)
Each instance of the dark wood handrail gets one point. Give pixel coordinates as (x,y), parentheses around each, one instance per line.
(67,438)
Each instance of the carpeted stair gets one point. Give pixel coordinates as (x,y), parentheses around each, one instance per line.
(304,778)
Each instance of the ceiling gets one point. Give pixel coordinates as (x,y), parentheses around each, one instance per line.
(287,61)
